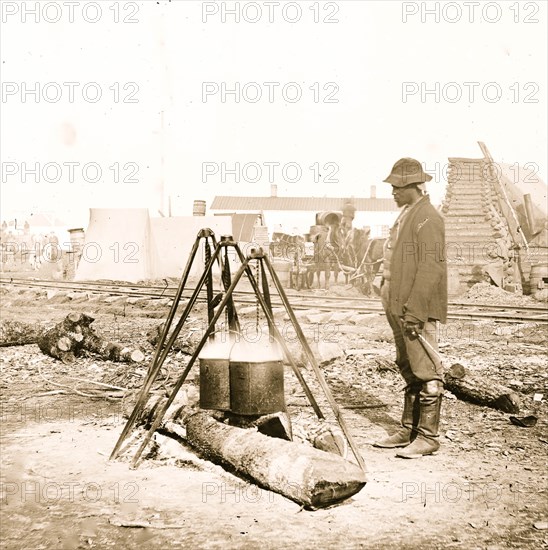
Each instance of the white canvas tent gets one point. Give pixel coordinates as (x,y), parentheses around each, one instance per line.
(173,239)
(128,245)
(118,246)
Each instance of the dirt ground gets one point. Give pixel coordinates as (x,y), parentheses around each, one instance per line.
(486,488)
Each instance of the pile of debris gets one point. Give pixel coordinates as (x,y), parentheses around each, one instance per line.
(493,295)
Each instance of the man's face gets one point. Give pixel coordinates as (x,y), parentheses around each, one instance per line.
(405,195)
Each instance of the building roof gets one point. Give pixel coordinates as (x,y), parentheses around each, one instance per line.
(314,204)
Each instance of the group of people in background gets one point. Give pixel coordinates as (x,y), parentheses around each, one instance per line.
(23,249)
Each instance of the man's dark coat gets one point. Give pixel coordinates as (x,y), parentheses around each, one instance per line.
(418,270)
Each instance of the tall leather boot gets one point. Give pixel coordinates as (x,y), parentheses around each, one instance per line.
(426,441)
(409,420)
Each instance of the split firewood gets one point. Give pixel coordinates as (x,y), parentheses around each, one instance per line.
(109,350)
(16,333)
(477,389)
(65,340)
(68,339)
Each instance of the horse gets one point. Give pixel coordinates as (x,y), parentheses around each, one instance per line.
(355,246)
(328,249)
(371,264)
(365,256)
(286,246)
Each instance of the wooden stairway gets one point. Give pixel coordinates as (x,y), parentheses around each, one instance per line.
(479,245)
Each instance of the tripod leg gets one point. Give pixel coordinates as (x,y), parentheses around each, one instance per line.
(314,365)
(161,413)
(152,372)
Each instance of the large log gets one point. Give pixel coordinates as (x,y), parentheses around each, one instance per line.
(480,390)
(306,475)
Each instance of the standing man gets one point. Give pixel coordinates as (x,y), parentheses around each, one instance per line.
(414,297)
(348,213)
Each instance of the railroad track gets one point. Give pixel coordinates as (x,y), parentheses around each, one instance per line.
(457,310)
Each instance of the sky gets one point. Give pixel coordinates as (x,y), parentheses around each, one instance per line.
(157,104)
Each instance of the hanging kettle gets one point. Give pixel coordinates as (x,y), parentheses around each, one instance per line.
(256,378)
(214,373)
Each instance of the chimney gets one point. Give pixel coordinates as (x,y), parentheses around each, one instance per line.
(373,192)
(273,190)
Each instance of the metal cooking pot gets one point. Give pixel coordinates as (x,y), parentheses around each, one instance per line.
(256,379)
(214,373)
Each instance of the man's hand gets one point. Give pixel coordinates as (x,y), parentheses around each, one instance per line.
(412,327)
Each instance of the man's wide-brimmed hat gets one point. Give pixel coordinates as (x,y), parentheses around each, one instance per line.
(407,171)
